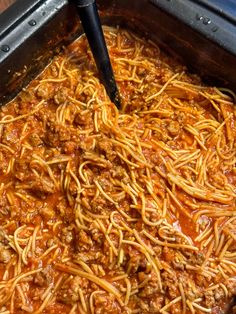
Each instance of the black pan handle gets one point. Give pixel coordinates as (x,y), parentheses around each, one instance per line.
(90,20)
(215,19)
(226,9)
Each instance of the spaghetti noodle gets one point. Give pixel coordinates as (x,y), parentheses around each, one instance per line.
(118,212)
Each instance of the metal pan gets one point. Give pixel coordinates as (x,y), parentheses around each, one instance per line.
(199,32)
(32,31)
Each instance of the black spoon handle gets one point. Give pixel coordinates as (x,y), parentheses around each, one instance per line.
(90,20)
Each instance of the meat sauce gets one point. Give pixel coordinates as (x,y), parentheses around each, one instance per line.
(118,212)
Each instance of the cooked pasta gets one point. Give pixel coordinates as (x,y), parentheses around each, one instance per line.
(126,212)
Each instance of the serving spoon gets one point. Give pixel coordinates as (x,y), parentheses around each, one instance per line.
(90,20)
